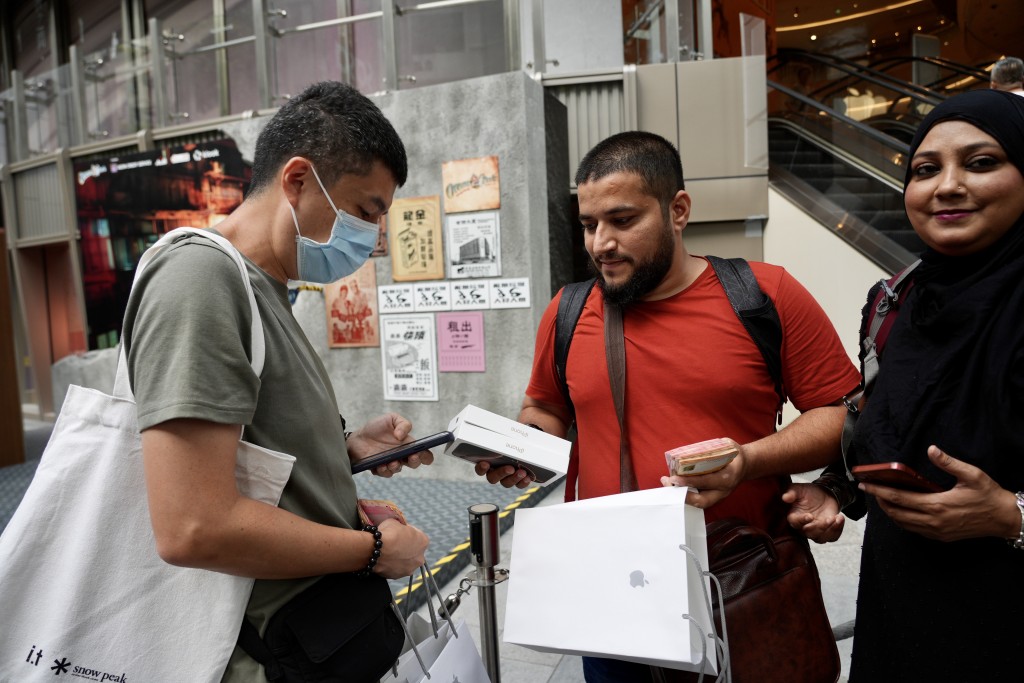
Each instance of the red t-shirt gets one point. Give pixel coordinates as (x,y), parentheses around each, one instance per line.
(692,373)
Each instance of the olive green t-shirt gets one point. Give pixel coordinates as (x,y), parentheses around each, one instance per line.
(187,337)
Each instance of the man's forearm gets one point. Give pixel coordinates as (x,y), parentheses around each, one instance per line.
(809,442)
(544,417)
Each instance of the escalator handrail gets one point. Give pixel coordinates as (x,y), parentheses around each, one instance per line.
(955,69)
(887,140)
(836,151)
(964,69)
(904,88)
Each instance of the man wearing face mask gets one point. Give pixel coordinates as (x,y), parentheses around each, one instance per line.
(325,169)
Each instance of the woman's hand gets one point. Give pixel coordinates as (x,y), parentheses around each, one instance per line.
(814,512)
(975,507)
(402,549)
(380,434)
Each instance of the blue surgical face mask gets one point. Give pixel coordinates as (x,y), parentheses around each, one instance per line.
(350,244)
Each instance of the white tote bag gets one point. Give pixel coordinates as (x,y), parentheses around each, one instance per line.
(608,577)
(82,589)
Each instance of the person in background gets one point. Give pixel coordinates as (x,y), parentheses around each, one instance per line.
(938,569)
(325,169)
(1008,75)
(693,371)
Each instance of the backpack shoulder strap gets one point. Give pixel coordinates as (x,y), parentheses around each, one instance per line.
(880,316)
(756,311)
(570,307)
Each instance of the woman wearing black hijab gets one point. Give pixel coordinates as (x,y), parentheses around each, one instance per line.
(941,595)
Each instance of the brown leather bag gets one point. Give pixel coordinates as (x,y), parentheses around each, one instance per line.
(778,627)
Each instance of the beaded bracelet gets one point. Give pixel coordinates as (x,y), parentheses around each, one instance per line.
(375,555)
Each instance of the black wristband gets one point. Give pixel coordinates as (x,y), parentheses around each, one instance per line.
(375,555)
(842,489)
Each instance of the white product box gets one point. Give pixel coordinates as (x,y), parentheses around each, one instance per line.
(473,443)
(499,424)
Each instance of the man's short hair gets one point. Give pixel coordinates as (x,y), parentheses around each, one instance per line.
(650,156)
(1008,74)
(337,128)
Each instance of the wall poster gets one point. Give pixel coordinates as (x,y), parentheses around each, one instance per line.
(474,244)
(415,229)
(396,299)
(432,296)
(409,357)
(471,184)
(352,309)
(460,342)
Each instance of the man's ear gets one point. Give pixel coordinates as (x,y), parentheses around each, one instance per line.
(679,211)
(293,177)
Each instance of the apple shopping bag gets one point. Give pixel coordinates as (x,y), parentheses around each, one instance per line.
(610,577)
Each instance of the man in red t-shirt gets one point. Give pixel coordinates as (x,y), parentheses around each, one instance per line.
(693,371)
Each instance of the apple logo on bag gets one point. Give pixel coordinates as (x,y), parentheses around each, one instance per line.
(636,579)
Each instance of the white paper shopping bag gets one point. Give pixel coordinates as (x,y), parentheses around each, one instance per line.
(609,577)
(445,658)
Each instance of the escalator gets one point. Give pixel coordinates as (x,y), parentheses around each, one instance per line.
(839,134)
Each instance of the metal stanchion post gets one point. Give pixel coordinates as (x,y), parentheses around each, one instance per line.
(483,545)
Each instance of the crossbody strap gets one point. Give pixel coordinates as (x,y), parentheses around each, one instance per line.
(122,388)
(570,307)
(615,353)
(249,640)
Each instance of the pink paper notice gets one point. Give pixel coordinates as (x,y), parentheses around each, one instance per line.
(460,342)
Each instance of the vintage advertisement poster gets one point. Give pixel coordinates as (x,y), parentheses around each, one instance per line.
(352,309)
(474,244)
(510,293)
(460,342)
(470,296)
(409,357)
(471,184)
(395,299)
(415,231)
(433,296)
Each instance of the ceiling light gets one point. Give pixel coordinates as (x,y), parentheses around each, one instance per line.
(849,17)
(814,37)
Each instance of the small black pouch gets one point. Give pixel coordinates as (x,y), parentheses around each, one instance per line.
(342,629)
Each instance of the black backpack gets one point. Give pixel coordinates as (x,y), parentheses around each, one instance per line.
(753,307)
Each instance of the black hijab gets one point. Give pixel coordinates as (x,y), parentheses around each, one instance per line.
(952,372)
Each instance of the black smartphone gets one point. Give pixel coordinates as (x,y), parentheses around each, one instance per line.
(895,474)
(401,451)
